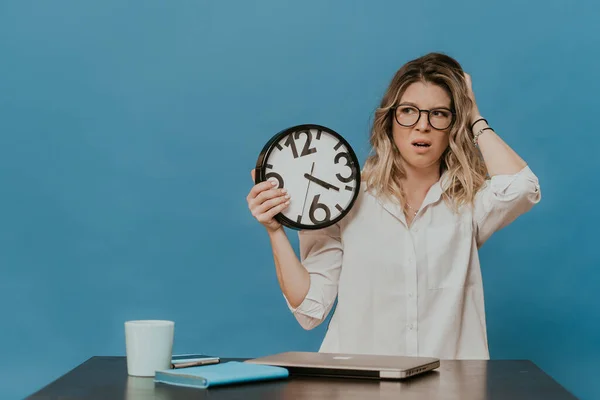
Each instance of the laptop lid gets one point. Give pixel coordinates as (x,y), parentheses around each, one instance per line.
(349,365)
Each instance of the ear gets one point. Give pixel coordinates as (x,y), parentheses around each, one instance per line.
(252,174)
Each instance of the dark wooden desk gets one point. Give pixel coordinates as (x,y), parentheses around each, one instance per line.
(106,378)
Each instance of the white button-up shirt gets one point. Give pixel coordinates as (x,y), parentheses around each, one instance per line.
(408,290)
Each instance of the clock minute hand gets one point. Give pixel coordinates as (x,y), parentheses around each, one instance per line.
(320,182)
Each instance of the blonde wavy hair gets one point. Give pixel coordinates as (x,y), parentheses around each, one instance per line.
(461,163)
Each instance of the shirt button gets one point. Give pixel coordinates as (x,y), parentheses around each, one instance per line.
(410,260)
(410,295)
(410,326)
(416,230)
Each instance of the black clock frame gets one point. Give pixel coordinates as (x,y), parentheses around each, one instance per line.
(261,173)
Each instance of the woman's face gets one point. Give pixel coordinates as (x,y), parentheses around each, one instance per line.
(423,143)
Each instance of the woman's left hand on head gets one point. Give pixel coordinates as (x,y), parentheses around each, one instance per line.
(475,110)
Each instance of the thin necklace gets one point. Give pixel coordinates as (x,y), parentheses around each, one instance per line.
(415,211)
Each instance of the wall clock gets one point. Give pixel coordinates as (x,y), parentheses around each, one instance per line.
(320,171)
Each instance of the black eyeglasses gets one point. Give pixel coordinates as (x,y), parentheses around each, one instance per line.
(408,115)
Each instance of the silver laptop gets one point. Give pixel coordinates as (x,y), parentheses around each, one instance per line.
(349,365)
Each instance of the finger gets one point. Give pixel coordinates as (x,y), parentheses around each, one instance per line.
(267,195)
(468,79)
(262,197)
(269,204)
(275,210)
(259,187)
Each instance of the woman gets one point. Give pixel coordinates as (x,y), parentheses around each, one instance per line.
(404,263)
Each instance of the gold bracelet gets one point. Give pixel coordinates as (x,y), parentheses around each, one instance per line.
(479,132)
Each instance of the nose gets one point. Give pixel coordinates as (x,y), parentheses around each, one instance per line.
(423,123)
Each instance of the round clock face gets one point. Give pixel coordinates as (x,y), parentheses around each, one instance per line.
(318,168)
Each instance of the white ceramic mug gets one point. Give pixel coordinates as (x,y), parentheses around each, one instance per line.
(149,346)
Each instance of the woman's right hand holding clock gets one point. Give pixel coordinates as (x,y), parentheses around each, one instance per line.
(265,201)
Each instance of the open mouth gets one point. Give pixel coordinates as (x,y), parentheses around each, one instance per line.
(421,143)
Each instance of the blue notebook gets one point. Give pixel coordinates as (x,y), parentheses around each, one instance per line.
(225,373)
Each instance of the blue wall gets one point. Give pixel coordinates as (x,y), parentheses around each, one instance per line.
(128,132)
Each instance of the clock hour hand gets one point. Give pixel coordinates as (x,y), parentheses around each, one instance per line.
(320,182)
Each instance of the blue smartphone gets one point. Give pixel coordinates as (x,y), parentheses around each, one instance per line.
(192,360)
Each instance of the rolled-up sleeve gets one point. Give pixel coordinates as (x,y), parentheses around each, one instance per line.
(502,199)
(321,254)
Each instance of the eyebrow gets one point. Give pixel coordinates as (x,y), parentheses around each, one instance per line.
(408,103)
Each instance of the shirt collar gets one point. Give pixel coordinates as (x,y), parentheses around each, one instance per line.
(433,195)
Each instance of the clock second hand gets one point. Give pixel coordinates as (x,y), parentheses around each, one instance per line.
(306,195)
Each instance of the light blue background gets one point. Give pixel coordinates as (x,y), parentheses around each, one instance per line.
(128,131)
